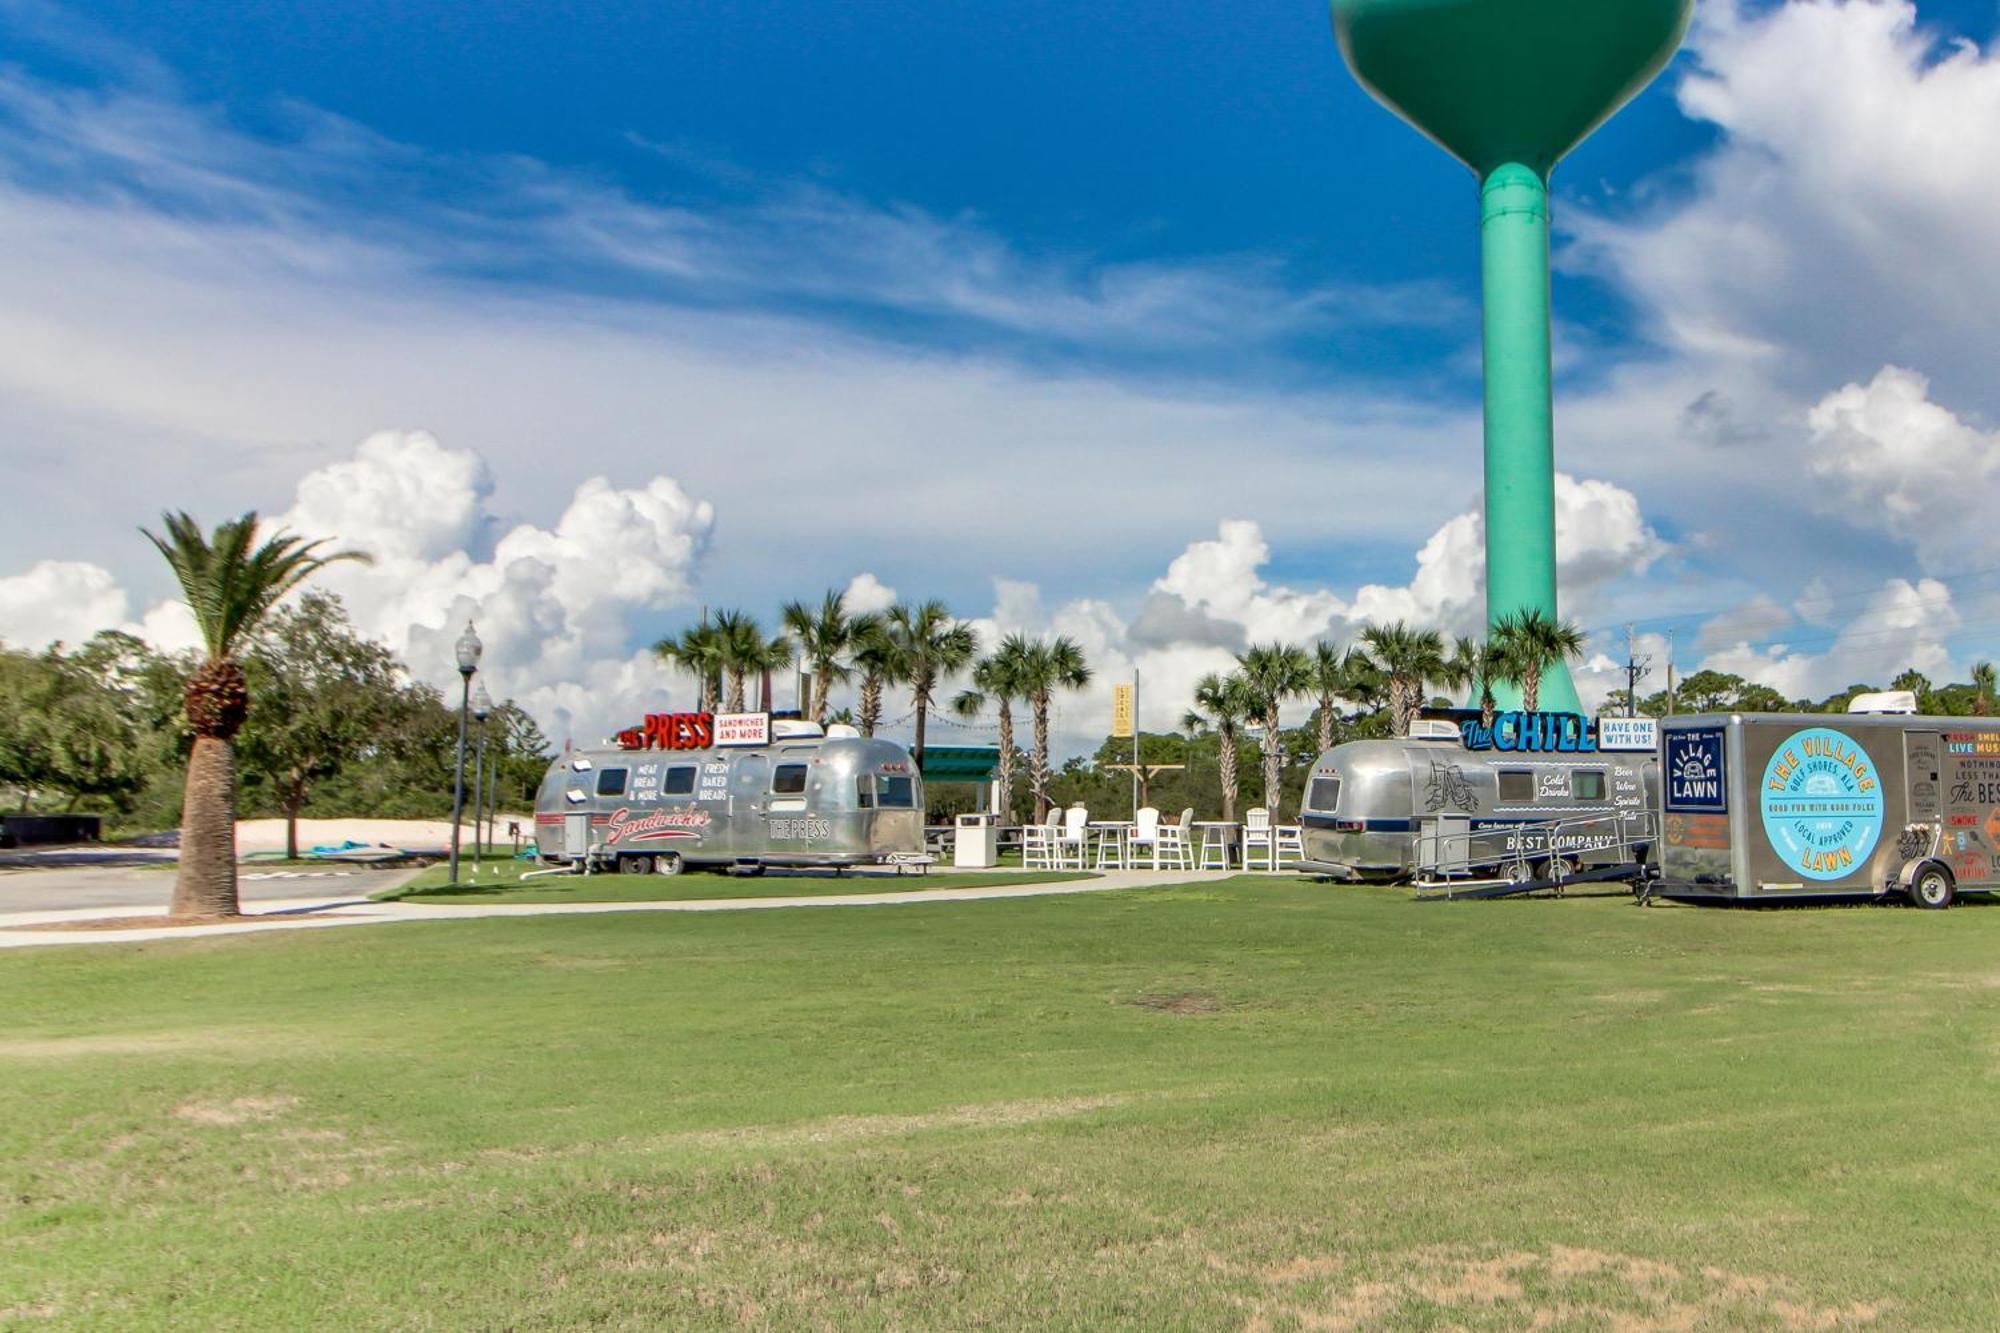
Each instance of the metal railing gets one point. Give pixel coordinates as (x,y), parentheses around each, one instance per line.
(1518,853)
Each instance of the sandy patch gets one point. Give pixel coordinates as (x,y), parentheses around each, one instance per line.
(268,835)
(844,1129)
(174,1043)
(1570,1286)
(239,1111)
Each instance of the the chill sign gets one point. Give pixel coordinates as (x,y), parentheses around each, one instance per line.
(1561,733)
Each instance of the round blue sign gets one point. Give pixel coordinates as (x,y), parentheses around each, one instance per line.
(1822,803)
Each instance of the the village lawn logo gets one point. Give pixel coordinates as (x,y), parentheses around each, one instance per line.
(1694,771)
(1822,803)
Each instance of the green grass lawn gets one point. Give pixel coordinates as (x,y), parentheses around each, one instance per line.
(1256,1104)
(503,884)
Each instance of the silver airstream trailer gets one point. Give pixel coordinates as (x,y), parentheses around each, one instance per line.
(731,790)
(1536,796)
(1877,802)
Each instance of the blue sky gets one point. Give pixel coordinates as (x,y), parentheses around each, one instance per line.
(1150,268)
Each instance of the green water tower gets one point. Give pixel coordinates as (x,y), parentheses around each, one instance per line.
(1508,87)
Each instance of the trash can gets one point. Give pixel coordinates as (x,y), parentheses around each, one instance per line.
(976,844)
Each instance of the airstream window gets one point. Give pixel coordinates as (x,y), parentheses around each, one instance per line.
(864,791)
(897,793)
(1517,786)
(788,779)
(1586,785)
(611,782)
(680,781)
(1325,794)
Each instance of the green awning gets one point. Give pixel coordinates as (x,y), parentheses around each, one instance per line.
(960,763)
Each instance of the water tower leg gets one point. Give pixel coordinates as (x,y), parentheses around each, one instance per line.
(1520,428)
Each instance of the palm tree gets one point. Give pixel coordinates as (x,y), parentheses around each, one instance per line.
(879,659)
(1336,675)
(1477,664)
(997,679)
(746,652)
(823,635)
(698,651)
(1409,657)
(231,586)
(1532,641)
(1273,673)
(1223,702)
(1048,666)
(933,645)
(1983,682)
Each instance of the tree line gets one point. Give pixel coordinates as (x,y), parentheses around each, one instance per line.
(918,646)
(338,728)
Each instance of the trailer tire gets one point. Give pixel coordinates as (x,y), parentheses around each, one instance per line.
(668,863)
(1932,888)
(635,865)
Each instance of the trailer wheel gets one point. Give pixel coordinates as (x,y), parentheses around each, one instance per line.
(635,865)
(668,863)
(1557,868)
(1932,888)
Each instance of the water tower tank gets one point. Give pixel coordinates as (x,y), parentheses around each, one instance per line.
(1509,87)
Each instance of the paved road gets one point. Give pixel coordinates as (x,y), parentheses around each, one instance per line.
(124,882)
(350,913)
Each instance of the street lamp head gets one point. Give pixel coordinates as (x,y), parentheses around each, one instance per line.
(482,702)
(468,648)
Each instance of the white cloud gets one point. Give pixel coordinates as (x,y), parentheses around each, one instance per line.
(1758,619)
(557,607)
(1601,538)
(1890,457)
(1220,578)
(1846,212)
(66,600)
(1905,624)
(866,593)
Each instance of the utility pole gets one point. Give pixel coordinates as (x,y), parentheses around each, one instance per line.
(1670,673)
(1137,732)
(1634,669)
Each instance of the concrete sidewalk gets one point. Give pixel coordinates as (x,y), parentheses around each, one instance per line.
(285,913)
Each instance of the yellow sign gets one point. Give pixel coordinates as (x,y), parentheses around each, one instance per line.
(1121,710)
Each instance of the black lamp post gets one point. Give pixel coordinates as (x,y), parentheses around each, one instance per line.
(468,648)
(482,707)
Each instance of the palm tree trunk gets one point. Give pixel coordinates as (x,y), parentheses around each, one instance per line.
(923,708)
(1489,707)
(1400,711)
(736,691)
(871,704)
(206,882)
(1325,723)
(1531,688)
(1227,754)
(1038,766)
(822,674)
(1006,773)
(1274,761)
